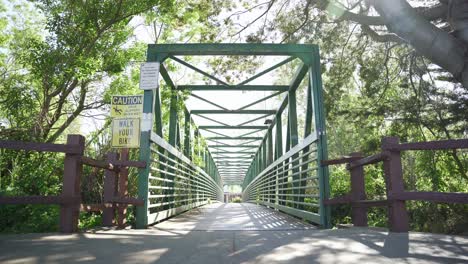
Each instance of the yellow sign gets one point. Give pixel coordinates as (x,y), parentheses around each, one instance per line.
(126,133)
(127,106)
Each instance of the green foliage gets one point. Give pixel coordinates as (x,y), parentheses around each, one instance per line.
(236,200)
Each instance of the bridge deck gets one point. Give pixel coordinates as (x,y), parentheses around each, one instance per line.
(234,233)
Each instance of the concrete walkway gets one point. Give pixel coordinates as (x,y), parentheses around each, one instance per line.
(234,233)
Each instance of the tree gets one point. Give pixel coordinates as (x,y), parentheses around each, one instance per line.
(81,44)
(437,30)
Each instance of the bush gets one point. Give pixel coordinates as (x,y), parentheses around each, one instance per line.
(236,200)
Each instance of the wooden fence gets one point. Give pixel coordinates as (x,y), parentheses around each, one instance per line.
(115,182)
(393,174)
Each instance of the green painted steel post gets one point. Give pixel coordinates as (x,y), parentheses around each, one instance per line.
(187,138)
(278,152)
(145,155)
(285,180)
(269,161)
(320,128)
(294,140)
(307,132)
(173,135)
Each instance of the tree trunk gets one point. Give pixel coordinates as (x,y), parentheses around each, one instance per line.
(440,47)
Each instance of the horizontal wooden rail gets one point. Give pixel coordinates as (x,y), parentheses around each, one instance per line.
(114,166)
(98,163)
(41,147)
(393,174)
(115,183)
(431,145)
(368,160)
(130,163)
(432,197)
(126,200)
(37,199)
(343,160)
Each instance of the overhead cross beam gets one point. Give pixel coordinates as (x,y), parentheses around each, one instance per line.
(188,65)
(233,127)
(237,112)
(206,87)
(267,70)
(234,138)
(209,102)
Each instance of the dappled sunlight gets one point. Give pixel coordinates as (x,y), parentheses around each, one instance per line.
(233,216)
(234,233)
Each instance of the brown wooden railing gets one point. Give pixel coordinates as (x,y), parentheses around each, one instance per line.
(115,182)
(393,173)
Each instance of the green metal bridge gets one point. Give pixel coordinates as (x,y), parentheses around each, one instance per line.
(281,173)
(185,164)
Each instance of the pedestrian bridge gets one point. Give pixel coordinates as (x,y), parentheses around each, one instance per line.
(278,156)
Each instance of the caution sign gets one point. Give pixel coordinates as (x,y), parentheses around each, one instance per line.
(126,132)
(126,106)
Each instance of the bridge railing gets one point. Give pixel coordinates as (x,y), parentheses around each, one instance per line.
(175,183)
(393,174)
(291,183)
(70,200)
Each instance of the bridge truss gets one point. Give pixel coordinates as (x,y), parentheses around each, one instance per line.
(188,170)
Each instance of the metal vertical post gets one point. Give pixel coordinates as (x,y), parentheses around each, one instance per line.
(286,172)
(173,139)
(145,155)
(320,128)
(278,152)
(294,140)
(187,138)
(269,161)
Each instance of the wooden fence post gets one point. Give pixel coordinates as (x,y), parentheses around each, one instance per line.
(393,172)
(73,168)
(123,190)
(110,190)
(358,192)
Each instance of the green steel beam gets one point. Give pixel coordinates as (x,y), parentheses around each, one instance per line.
(217,142)
(245,146)
(266,71)
(243,112)
(261,100)
(232,163)
(298,77)
(232,169)
(231,152)
(145,155)
(213,120)
(234,138)
(280,88)
(299,50)
(251,132)
(322,149)
(216,133)
(233,127)
(166,77)
(188,65)
(208,101)
(187,138)
(270,147)
(218,158)
(253,120)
